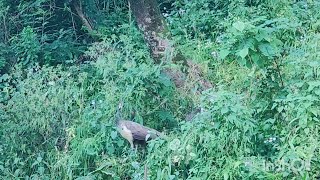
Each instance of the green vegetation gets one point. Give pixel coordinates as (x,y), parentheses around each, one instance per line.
(60,85)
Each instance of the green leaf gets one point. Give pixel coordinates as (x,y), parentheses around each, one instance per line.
(4,77)
(135,165)
(239,26)
(243,52)
(267,49)
(314,111)
(280,108)
(120,143)
(262,35)
(165,80)
(110,149)
(224,110)
(114,134)
(257,60)
(174,144)
(165,115)
(225,176)
(241,61)
(91,151)
(248,64)
(303,122)
(270,120)
(224,53)
(17,173)
(39,159)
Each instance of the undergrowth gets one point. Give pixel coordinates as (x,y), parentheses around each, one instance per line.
(59,95)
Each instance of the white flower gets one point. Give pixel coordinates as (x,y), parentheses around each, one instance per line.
(51,83)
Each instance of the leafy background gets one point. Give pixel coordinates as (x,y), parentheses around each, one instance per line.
(60,87)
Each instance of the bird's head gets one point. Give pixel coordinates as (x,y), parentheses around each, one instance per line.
(118,113)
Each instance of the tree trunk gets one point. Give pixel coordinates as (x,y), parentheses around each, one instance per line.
(151,22)
(157,36)
(153,26)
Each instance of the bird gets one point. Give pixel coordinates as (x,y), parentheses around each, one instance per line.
(133,132)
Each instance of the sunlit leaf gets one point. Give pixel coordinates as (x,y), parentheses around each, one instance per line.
(239,25)
(243,52)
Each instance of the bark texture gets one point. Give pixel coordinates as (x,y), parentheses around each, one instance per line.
(153,26)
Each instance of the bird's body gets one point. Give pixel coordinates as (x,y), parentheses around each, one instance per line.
(134,132)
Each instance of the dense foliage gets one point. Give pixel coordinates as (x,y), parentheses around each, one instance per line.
(60,86)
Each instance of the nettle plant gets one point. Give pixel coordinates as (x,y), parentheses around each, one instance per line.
(254,43)
(261,45)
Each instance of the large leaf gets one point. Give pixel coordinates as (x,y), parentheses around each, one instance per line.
(263,35)
(267,49)
(257,60)
(241,61)
(224,53)
(243,52)
(239,26)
